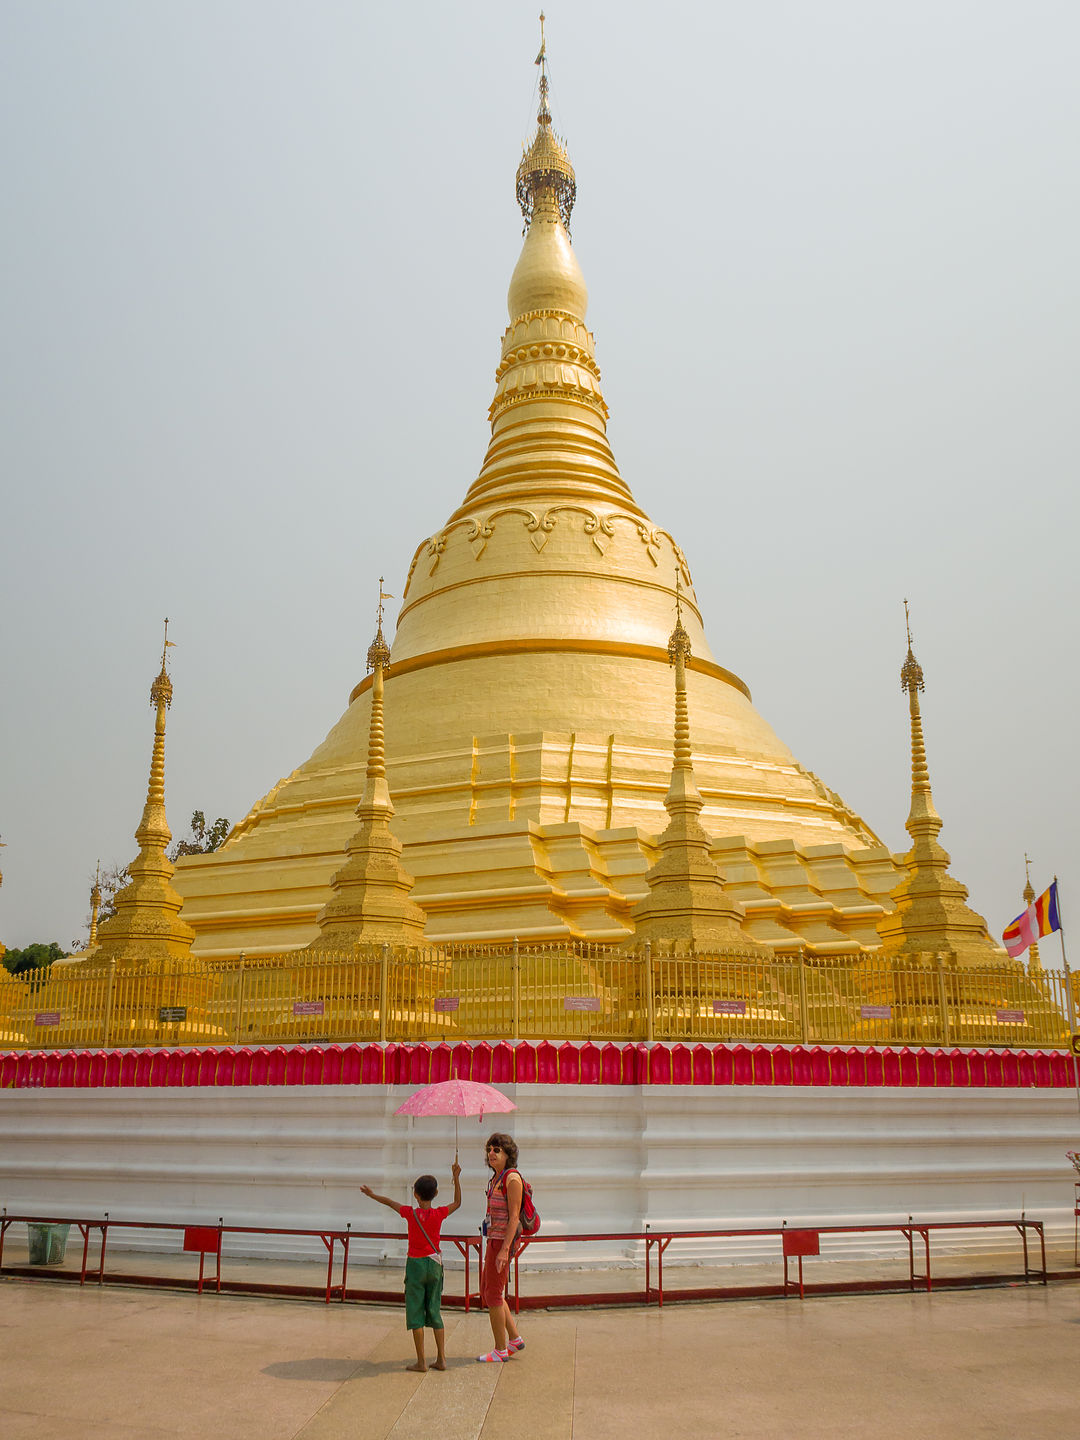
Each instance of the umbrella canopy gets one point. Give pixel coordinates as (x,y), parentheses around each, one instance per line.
(456,1097)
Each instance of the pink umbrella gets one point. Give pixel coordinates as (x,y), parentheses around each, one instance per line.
(456,1097)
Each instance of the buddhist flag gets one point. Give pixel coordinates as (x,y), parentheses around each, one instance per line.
(1040,918)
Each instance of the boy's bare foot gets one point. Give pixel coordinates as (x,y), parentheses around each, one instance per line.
(439,1365)
(420,1369)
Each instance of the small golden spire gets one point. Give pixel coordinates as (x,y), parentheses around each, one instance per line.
(1034,960)
(95,905)
(687,903)
(146,924)
(931,916)
(371,894)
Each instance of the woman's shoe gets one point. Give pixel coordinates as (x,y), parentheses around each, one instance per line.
(516,1344)
(494,1357)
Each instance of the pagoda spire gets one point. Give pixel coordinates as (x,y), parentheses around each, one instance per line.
(548,416)
(371,901)
(147,924)
(95,906)
(687,904)
(931,916)
(1034,962)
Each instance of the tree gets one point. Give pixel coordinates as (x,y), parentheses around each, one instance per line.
(37,956)
(204,838)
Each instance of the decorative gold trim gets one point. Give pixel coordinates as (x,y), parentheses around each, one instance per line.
(490,649)
(599,526)
(546,575)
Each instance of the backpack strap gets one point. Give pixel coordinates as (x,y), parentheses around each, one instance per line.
(436,1254)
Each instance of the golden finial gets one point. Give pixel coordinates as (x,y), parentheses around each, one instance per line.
(1029,889)
(161,691)
(545,168)
(378,655)
(679,640)
(911,675)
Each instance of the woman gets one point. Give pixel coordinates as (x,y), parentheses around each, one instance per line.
(501,1227)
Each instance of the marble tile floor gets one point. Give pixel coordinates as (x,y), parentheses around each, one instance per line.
(126,1364)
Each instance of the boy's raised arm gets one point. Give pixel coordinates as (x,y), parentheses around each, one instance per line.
(391,1204)
(455,1170)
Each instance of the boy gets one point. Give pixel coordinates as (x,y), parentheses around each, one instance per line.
(423,1266)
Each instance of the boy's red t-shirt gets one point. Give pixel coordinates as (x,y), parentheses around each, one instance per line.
(419,1244)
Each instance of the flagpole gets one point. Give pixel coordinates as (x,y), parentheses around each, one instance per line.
(1068,994)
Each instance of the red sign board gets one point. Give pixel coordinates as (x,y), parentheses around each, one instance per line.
(802,1242)
(447,1002)
(47,1017)
(308,1007)
(1010,1017)
(581,1002)
(729,1007)
(876,1012)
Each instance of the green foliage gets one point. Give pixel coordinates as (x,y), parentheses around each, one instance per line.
(204,838)
(37,956)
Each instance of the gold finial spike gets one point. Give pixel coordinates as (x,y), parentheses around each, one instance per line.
(911,675)
(545,175)
(161,691)
(378,655)
(543,115)
(1029,889)
(678,640)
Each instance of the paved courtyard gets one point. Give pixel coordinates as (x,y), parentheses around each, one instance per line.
(125,1364)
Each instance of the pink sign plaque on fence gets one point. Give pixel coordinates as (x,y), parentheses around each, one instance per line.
(1009,1017)
(447,1002)
(308,1007)
(729,1007)
(876,1012)
(47,1017)
(581,1002)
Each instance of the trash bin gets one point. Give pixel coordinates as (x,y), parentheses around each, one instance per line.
(48,1244)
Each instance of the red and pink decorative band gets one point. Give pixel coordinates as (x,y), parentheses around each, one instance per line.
(543,1063)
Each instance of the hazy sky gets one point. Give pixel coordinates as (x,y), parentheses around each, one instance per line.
(253,269)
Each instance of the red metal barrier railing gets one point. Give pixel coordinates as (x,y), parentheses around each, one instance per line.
(207,1240)
(657,1242)
(792,1243)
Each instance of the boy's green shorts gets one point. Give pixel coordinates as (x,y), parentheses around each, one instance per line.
(423,1291)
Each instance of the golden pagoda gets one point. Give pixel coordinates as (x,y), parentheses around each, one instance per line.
(931,917)
(147,924)
(528,707)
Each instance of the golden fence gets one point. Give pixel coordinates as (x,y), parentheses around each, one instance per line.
(543,992)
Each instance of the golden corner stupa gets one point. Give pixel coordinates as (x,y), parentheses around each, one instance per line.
(528,707)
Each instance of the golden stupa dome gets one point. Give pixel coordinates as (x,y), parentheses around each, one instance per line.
(528,704)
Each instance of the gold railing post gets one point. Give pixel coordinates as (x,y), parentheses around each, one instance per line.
(804,1009)
(108,1004)
(943,1001)
(384,987)
(1070,1007)
(515,990)
(650,995)
(239,1020)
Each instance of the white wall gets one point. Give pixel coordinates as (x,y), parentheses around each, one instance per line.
(601,1158)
